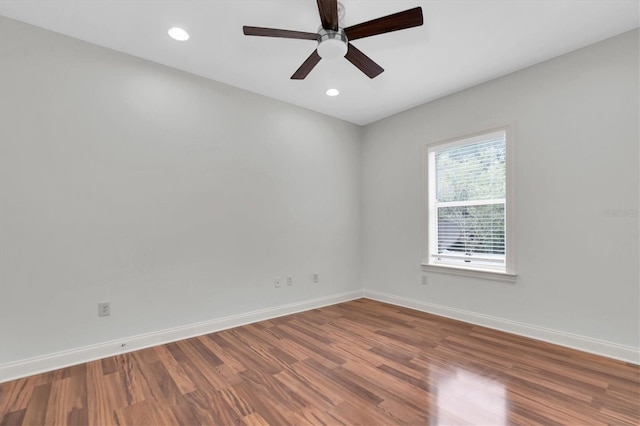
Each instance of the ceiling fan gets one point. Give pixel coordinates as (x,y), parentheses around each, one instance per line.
(334,41)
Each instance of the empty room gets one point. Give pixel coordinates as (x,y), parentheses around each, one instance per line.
(298,212)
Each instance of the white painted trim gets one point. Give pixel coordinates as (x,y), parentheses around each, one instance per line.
(45,363)
(42,364)
(574,341)
(470,273)
(510,206)
(429,215)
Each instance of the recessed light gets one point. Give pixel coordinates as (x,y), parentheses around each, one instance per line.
(178,34)
(333,92)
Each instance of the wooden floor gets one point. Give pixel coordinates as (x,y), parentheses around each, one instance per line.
(360,362)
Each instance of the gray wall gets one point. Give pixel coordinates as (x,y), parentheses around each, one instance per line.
(576,144)
(179,199)
(176,198)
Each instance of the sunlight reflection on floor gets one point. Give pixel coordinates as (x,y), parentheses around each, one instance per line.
(468,398)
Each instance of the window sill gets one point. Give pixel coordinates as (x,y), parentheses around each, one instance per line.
(471,273)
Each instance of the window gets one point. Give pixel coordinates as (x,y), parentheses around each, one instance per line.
(468,206)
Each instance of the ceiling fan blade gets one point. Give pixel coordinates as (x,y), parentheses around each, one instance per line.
(273,32)
(363,62)
(306,66)
(398,21)
(328,14)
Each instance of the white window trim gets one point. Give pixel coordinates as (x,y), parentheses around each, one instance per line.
(510,253)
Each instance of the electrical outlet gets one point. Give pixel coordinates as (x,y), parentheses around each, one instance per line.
(424,280)
(315,278)
(289,281)
(277,282)
(104,309)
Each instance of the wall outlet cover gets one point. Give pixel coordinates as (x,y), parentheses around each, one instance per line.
(104,309)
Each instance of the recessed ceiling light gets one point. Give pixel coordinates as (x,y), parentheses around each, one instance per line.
(333,92)
(178,34)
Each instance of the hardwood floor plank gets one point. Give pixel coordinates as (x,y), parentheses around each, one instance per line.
(60,404)
(139,413)
(16,395)
(231,364)
(157,373)
(243,352)
(211,409)
(194,364)
(393,353)
(109,365)
(320,383)
(361,362)
(239,399)
(78,387)
(104,395)
(298,350)
(134,385)
(266,351)
(318,417)
(315,347)
(621,418)
(13,418)
(78,417)
(406,378)
(272,344)
(343,381)
(269,385)
(208,355)
(269,407)
(255,419)
(412,406)
(342,336)
(353,414)
(400,414)
(409,395)
(36,410)
(304,390)
(173,367)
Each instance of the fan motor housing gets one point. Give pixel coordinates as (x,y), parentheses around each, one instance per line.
(332,44)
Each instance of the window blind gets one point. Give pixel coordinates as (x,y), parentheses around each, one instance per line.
(470,202)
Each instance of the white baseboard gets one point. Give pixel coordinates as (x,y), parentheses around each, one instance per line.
(574,341)
(41,364)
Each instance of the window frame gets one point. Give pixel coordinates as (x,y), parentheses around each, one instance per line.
(428,211)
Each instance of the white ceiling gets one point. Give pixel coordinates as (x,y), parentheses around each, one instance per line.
(462,43)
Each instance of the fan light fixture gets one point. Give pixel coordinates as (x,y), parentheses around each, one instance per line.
(179,34)
(332,44)
(333,92)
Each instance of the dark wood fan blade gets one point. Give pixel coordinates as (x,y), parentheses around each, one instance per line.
(306,66)
(328,14)
(398,21)
(273,32)
(363,62)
